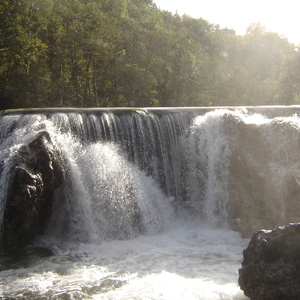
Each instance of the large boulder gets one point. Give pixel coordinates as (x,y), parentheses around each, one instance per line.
(271,266)
(37,173)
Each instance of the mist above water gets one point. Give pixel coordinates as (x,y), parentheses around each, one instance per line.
(149,201)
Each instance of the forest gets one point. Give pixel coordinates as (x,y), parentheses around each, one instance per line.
(113,53)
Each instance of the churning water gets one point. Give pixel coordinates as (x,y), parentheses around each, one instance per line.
(144,211)
(185,262)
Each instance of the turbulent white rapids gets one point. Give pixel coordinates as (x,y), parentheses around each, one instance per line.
(146,208)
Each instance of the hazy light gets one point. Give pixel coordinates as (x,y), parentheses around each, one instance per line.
(277,16)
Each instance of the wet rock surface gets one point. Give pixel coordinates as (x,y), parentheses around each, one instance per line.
(271,265)
(25,257)
(37,174)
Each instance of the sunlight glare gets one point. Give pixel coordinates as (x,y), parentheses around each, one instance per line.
(276,16)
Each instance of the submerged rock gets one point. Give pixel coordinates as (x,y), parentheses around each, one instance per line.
(25,257)
(271,266)
(36,175)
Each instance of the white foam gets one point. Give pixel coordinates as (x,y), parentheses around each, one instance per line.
(172,258)
(186,262)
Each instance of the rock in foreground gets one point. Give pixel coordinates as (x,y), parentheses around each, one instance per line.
(37,173)
(271,266)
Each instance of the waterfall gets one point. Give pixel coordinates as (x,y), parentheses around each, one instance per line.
(118,170)
(140,203)
(130,172)
(206,155)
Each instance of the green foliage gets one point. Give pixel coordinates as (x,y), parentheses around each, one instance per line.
(87,53)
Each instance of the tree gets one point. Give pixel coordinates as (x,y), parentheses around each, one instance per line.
(20,52)
(128,52)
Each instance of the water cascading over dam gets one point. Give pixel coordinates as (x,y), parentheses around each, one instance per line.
(95,175)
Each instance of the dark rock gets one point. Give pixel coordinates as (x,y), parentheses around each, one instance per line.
(35,177)
(36,251)
(271,266)
(25,257)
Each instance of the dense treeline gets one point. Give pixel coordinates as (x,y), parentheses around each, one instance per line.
(130,53)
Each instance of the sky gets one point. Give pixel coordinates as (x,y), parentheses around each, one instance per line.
(281,16)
